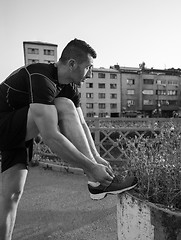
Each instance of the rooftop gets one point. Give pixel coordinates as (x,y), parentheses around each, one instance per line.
(109,70)
(39,43)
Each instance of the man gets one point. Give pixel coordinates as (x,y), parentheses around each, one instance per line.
(43,99)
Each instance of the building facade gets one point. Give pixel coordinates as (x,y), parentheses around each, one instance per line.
(101,95)
(161,92)
(150,92)
(39,52)
(131,92)
(131,87)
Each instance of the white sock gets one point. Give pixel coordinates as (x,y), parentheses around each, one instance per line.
(94,184)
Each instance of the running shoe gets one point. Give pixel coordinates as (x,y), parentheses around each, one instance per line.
(118,185)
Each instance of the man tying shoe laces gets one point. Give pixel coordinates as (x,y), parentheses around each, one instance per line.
(43,99)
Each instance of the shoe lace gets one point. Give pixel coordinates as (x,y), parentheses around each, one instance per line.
(117,179)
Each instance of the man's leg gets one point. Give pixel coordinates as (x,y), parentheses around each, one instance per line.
(13,181)
(71,127)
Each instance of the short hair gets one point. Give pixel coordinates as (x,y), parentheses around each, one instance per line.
(78,50)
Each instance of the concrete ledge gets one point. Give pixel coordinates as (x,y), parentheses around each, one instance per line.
(59,168)
(138,219)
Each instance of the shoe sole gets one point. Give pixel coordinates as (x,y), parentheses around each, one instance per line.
(100,196)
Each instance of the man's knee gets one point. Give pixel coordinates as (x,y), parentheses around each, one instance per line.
(16,196)
(65,107)
(13,182)
(11,196)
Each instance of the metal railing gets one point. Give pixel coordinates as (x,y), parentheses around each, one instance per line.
(110,134)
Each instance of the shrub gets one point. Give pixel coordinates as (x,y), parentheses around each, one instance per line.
(156,162)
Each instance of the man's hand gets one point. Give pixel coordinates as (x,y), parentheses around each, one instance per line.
(102,161)
(102,174)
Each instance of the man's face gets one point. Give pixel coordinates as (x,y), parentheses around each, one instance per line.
(83,70)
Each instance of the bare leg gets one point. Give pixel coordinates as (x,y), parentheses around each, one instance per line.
(13,181)
(71,127)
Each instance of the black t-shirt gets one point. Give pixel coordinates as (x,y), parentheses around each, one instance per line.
(35,83)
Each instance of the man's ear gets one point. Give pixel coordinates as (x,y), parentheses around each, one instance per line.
(72,64)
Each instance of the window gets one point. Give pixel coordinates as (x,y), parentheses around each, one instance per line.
(30,61)
(161,82)
(89,105)
(33,50)
(113,96)
(101,75)
(90,114)
(113,76)
(48,52)
(102,114)
(173,82)
(89,95)
(162,102)
(148,81)
(89,85)
(130,102)
(161,92)
(172,92)
(113,85)
(130,91)
(49,61)
(113,106)
(102,105)
(147,92)
(173,102)
(102,95)
(147,102)
(101,85)
(130,81)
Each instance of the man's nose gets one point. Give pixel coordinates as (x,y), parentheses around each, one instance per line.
(89,74)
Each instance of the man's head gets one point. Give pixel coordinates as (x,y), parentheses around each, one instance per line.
(77,61)
(77,50)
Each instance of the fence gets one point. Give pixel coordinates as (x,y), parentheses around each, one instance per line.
(110,134)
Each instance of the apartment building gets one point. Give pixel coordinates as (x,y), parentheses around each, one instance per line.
(39,52)
(161,92)
(131,92)
(131,87)
(101,95)
(150,92)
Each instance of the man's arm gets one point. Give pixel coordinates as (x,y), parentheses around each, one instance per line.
(94,151)
(46,120)
(87,133)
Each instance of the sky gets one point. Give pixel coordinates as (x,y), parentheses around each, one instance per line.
(124,32)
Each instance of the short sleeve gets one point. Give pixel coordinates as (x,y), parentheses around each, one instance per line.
(42,89)
(71,92)
(76,100)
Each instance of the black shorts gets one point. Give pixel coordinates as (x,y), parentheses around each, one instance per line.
(13,147)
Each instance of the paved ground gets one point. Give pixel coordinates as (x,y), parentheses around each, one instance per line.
(56,206)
